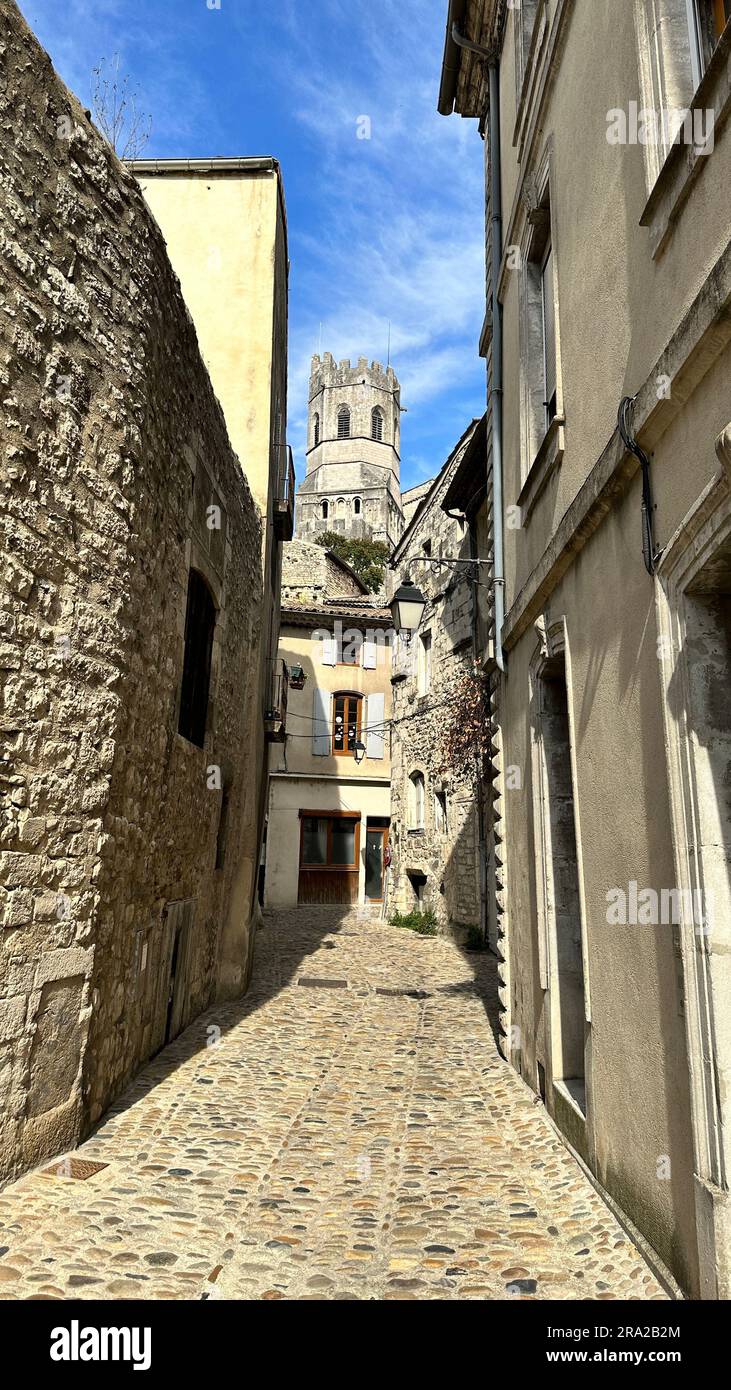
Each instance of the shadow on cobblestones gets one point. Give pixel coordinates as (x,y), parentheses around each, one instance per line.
(347,1130)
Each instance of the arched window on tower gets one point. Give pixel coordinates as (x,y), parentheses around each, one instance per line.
(377,423)
(356,506)
(343,422)
(325,509)
(341,506)
(317,429)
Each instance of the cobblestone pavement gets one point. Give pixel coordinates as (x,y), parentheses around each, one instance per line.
(341,1141)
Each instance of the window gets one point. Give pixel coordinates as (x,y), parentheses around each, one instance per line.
(440,813)
(314,840)
(325,510)
(424,671)
(343,422)
(346,723)
(350,648)
(377,423)
(329,842)
(356,506)
(416,801)
(539,337)
(317,429)
(549,335)
(340,508)
(200,621)
(558,873)
(708,20)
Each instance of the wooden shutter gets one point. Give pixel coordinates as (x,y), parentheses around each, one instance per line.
(369,652)
(375,731)
(321,723)
(329,650)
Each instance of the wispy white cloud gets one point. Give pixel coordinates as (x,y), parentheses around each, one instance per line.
(383,230)
(400,236)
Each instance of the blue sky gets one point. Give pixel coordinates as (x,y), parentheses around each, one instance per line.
(386,228)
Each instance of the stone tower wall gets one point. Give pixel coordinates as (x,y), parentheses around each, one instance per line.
(352,485)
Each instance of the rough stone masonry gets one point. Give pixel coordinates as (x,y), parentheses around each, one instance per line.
(112,449)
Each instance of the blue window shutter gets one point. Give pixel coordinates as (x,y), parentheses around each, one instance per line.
(321,723)
(375,735)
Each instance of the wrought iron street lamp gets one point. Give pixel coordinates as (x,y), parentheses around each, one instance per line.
(407,607)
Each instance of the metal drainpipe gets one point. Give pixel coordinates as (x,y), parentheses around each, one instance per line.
(492,57)
(497,361)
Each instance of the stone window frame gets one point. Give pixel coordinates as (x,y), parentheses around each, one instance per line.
(553,642)
(377,424)
(316,429)
(542,443)
(525,30)
(343,422)
(670,76)
(701,535)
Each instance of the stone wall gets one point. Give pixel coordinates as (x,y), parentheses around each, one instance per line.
(113,448)
(311,574)
(446,855)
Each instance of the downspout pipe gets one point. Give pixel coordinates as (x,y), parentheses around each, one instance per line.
(492,58)
(496,201)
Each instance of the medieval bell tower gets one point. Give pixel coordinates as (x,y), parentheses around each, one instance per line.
(352,483)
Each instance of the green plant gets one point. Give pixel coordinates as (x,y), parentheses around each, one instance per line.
(423,923)
(367,558)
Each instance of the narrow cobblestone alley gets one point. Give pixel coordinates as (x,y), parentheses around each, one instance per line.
(354,1134)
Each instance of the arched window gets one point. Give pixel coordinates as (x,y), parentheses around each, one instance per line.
(200,621)
(343,422)
(317,429)
(416,801)
(356,506)
(346,723)
(377,423)
(395,428)
(325,510)
(341,506)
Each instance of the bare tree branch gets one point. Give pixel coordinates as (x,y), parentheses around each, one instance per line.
(115,109)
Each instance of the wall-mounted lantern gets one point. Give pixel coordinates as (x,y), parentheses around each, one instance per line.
(297,677)
(407,607)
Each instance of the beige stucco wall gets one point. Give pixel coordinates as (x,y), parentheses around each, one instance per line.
(287,797)
(630,311)
(220,229)
(226,235)
(296,644)
(301,779)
